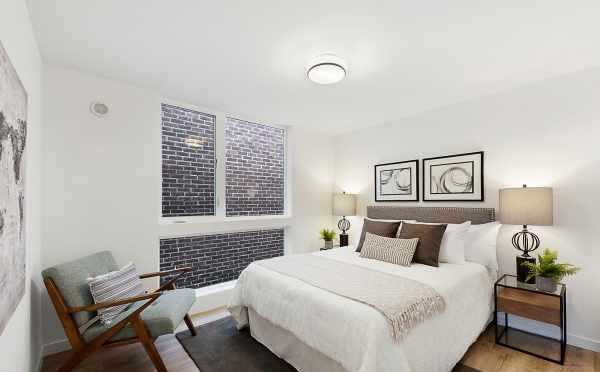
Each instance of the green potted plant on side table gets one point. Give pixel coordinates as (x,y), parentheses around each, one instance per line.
(548,272)
(328,236)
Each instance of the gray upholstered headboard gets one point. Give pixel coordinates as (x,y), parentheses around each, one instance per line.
(433,214)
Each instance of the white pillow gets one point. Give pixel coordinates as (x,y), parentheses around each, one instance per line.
(481,244)
(452,247)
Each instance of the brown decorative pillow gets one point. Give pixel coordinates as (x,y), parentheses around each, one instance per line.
(387,229)
(430,240)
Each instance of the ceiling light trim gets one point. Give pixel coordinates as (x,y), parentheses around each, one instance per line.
(329,60)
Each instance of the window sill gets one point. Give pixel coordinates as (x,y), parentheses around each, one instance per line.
(217,225)
(217,219)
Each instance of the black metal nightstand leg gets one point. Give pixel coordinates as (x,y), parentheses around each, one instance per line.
(563,327)
(495,314)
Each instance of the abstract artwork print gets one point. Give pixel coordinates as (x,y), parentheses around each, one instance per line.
(13,132)
(453,178)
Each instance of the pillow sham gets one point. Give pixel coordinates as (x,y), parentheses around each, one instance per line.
(113,286)
(480,245)
(430,240)
(452,249)
(358,226)
(381,228)
(392,250)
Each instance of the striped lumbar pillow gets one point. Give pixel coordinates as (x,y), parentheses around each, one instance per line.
(114,286)
(392,250)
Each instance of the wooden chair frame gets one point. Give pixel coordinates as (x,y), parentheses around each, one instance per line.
(81,349)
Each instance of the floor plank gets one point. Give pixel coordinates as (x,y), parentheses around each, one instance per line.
(483,355)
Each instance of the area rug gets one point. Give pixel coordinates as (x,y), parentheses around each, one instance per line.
(220,347)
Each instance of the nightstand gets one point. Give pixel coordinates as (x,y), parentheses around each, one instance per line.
(327,249)
(525,300)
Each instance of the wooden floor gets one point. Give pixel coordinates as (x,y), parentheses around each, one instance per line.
(484,355)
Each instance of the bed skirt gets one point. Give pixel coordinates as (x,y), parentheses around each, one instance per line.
(288,347)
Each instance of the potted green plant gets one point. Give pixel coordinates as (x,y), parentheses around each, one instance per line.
(547,271)
(328,236)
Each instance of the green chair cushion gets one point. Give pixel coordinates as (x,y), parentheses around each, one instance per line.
(162,317)
(70,278)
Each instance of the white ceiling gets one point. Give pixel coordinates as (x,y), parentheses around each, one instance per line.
(248,57)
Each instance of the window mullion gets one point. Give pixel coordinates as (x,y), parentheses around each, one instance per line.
(220,169)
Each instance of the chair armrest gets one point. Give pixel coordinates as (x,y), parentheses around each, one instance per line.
(101,305)
(165,273)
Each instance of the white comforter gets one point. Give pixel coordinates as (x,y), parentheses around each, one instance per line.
(356,335)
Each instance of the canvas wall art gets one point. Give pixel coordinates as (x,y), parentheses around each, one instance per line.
(453,178)
(397,181)
(13,132)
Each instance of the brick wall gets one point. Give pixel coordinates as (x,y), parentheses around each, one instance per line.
(218,258)
(254,169)
(188,162)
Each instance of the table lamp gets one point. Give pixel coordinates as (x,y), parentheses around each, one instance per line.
(526,206)
(344,205)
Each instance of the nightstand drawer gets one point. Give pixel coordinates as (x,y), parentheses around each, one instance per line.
(529,305)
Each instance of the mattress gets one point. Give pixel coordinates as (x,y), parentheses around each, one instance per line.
(355,335)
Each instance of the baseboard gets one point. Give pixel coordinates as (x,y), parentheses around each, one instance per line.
(38,366)
(212,297)
(55,347)
(550,331)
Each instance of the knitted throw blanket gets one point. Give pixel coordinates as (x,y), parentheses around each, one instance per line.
(403,302)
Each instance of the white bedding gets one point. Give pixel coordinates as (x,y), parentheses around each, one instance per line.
(356,335)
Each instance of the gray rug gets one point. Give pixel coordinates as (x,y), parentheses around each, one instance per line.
(220,347)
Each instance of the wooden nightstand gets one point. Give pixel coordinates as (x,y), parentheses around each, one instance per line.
(525,300)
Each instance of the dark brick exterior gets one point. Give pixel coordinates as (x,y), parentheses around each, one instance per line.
(188,162)
(218,258)
(254,169)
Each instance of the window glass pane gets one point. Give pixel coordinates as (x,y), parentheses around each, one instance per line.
(218,258)
(188,162)
(254,169)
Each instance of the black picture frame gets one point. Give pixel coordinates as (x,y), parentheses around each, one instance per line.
(477,192)
(412,165)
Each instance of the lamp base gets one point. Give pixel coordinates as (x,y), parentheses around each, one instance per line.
(523,271)
(343,240)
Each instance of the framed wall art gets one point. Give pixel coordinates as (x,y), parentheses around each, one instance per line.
(397,181)
(13,132)
(454,178)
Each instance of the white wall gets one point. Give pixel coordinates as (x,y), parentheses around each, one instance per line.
(20,341)
(546,134)
(102,178)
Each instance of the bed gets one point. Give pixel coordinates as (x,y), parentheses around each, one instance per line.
(316,330)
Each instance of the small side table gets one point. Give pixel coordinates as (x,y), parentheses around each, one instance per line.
(327,249)
(525,300)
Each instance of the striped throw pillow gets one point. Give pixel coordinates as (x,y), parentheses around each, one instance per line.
(114,286)
(392,250)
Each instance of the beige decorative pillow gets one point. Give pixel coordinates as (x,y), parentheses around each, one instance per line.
(392,250)
(113,286)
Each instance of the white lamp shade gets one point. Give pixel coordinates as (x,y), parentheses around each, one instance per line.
(526,206)
(344,205)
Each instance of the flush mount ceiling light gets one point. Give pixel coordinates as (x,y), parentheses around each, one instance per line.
(326,69)
(99,109)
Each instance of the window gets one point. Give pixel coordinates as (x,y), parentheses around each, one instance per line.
(218,258)
(188,162)
(251,179)
(254,169)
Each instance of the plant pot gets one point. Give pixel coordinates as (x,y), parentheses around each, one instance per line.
(328,244)
(545,284)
